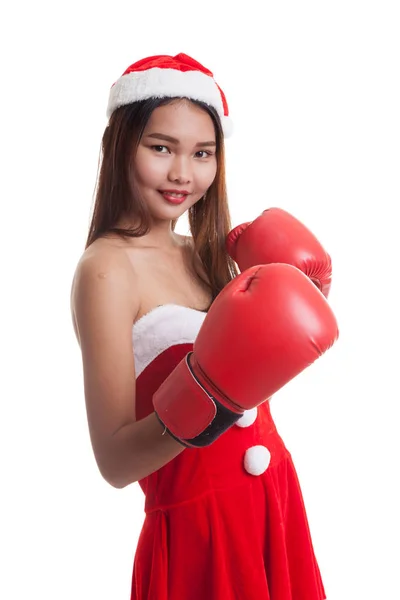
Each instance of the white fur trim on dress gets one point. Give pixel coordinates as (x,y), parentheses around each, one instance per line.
(164,326)
(167,83)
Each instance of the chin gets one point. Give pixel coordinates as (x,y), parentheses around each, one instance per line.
(169,213)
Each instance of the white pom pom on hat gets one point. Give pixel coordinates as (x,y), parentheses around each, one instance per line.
(165,76)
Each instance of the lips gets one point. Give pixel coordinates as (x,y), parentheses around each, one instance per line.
(174,196)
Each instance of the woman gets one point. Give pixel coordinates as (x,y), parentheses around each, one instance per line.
(177,352)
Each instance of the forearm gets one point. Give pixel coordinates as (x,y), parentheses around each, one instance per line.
(137,450)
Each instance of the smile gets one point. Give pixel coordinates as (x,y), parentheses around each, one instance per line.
(173,196)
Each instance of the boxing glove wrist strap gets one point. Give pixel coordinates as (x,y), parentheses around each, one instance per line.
(190,413)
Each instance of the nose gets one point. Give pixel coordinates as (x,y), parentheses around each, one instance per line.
(180,170)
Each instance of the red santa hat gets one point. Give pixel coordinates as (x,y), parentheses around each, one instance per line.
(163,76)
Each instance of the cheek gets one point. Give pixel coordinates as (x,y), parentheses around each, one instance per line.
(148,170)
(207,175)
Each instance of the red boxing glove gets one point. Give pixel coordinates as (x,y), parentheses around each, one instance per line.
(264,328)
(278,237)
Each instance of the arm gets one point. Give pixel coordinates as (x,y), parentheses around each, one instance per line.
(104,306)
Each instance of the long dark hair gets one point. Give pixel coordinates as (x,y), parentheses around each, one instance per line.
(209,219)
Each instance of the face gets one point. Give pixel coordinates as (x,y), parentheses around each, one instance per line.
(176,159)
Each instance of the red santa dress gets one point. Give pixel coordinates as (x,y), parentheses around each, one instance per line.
(225,522)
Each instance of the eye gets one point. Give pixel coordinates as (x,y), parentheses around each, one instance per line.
(204,154)
(160,149)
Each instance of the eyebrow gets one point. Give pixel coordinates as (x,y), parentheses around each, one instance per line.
(168,138)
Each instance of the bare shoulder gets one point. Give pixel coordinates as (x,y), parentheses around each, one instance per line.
(104,253)
(103,276)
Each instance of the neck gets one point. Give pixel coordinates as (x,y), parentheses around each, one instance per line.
(160,235)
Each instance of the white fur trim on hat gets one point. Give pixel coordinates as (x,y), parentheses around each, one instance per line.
(168,83)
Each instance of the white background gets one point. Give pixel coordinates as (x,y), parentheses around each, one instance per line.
(313,89)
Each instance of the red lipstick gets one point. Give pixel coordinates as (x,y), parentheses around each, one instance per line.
(174,196)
